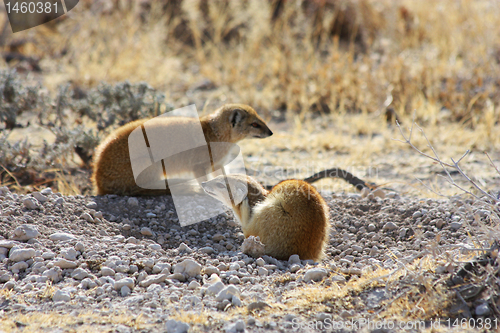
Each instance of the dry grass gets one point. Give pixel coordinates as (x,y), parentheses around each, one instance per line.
(425,55)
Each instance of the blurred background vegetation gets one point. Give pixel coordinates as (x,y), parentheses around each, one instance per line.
(361,63)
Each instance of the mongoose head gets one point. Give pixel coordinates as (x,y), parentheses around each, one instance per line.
(244,122)
(241,187)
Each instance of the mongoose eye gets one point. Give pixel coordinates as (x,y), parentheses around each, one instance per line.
(220,185)
(255,125)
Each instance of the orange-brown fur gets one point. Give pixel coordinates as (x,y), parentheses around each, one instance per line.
(112,170)
(292,218)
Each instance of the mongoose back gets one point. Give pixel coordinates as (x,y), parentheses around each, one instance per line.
(112,169)
(292,218)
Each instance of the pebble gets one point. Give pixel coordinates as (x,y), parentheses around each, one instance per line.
(209,270)
(174,326)
(315,274)
(80,247)
(155,247)
(39,197)
(30,203)
(188,267)
(161,268)
(91,205)
(151,279)
(227,293)
(25,232)
(125,291)
(294,268)
(146,231)
(79,274)
(62,236)
(61,296)
(234,280)
(48,255)
(46,191)
(218,237)
(193,285)
(17,254)
(64,263)
(106,271)
(184,248)
(133,202)
(294,259)
(69,253)
(260,262)
(371,227)
(389,226)
(238,326)
(19,266)
(215,288)
(263,271)
(8,244)
(207,249)
(455,225)
(482,310)
(128,282)
(87,217)
(338,278)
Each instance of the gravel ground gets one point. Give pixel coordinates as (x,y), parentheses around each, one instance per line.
(122,264)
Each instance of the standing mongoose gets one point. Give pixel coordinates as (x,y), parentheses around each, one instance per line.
(292,218)
(112,169)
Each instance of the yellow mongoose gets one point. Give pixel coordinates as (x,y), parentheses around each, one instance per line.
(292,218)
(112,169)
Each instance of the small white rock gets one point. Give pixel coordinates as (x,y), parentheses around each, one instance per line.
(39,196)
(80,247)
(125,291)
(61,236)
(294,259)
(60,295)
(215,288)
(390,226)
(87,217)
(174,326)
(16,254)
(189,267)
(25,232)
(69,253)
(133,202)
(315,274)
(106,271)
(64,263)
(30,203)
(128,282)
(193,285)
(79,274)
(263,271)
(227,293)
(19,266)
(146,231)
(234,280)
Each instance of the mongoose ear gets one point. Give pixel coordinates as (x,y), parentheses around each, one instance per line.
(237,117)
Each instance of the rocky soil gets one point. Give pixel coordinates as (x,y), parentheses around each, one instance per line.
(123,264)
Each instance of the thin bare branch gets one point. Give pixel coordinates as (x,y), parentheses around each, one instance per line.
(408,141)
(472,182)
(498,171)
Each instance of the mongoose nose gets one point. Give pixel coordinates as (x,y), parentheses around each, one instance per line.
(270,133)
